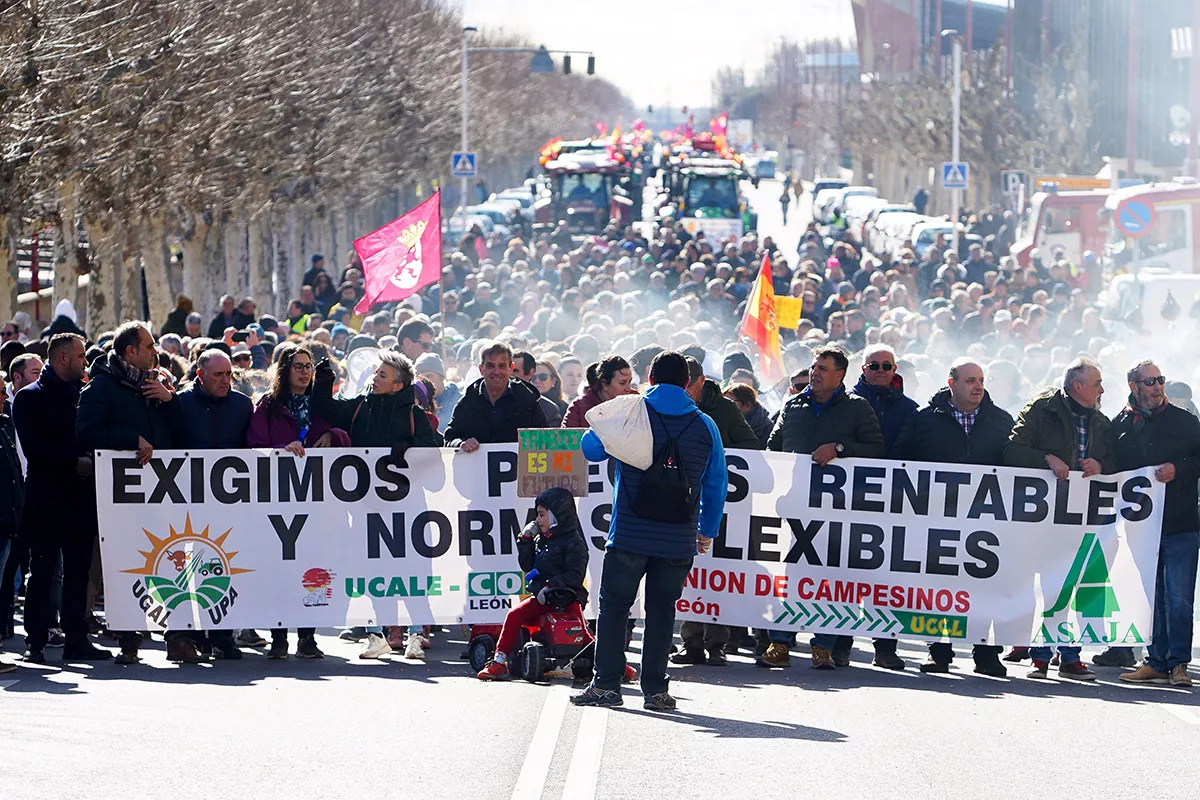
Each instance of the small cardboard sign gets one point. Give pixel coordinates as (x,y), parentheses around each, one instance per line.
(549,457)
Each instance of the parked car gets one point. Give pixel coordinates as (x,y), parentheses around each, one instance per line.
(454,228)
(501,215)
(877,223)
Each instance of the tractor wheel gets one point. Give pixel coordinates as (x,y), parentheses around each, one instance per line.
(480,651)
(533,657)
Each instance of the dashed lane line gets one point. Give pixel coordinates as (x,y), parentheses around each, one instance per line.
(532,779)
(583,773)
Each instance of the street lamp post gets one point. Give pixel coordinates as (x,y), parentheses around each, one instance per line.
(956,62)
(541,63)
(465,116)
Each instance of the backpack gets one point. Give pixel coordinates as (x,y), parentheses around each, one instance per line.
(666,493)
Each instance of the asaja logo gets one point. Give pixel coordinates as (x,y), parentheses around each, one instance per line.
(186,566)
(1088,599)
(318,587)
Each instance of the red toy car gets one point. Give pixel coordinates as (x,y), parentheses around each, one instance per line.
(559,640)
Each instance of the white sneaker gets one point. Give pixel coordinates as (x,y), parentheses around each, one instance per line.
(377,647)
(413,648)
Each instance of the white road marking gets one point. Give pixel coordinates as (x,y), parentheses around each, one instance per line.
(584,771)
(5,684)
(532,779)
(1182,713)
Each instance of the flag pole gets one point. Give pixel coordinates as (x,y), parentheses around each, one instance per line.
(442,286)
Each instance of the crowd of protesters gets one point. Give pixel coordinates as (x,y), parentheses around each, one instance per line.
(953,356)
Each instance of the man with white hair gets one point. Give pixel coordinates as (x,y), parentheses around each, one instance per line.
(1150,432)
(216,417)
(1063,431)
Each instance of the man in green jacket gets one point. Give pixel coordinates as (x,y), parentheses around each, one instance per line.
(827,422)
(1063,431)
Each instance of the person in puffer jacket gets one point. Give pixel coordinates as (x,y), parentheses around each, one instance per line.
(554,557)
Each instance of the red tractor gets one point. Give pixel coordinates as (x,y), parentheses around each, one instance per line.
(587,191)
(560,640)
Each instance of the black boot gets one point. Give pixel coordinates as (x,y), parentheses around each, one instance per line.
(885,655)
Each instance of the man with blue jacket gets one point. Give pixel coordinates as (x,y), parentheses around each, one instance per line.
(215,417)
(662,516)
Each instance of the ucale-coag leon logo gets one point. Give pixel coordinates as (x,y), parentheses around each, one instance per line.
(186,566)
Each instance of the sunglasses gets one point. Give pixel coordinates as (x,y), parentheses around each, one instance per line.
(799,387)
(7,334)
(886,366)
(541,376)
(426,346)
(1160,380)
(302,366)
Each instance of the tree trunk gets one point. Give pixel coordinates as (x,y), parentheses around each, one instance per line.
(235,251)
(318,225)
(105,237)
(66,267)
(154,260)
(213,267)
(194,264)
(259,263)
(8,273)
(132,305)
(294,244)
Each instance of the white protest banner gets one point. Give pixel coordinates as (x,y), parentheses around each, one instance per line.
(247,538)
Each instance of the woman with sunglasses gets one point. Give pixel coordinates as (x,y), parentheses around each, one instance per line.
(549,384)
(284,418)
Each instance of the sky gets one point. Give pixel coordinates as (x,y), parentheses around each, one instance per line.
(663,52)
(660,52)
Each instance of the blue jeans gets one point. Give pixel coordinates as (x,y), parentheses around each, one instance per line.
(619,581)
(1067,655)
(1174,590)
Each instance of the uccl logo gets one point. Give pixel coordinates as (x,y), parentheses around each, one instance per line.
(1087,591)
(186,566)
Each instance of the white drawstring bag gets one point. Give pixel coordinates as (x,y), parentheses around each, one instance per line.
(624,429)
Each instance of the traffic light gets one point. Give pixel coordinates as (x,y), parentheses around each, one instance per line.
(591,65)
(566,65)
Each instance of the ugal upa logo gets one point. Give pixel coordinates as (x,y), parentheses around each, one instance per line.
(186,566)
(1087,591)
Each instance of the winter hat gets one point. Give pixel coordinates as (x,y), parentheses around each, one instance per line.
(430,362)
(65,308)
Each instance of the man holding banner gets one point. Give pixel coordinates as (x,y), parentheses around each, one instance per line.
(961,425)
(1063,431)
(1153,432)
(828,422)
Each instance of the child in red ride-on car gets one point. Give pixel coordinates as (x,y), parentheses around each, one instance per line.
(554,555)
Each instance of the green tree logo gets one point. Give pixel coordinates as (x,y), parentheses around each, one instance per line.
(1087,588)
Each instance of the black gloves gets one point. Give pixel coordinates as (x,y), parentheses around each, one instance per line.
(397,454)
(325,373)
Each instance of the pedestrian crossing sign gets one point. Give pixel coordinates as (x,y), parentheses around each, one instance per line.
(955,174)
(462,165)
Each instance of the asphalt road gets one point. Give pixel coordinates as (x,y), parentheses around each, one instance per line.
(346,728)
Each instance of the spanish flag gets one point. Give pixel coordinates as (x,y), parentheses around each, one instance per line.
(760,327)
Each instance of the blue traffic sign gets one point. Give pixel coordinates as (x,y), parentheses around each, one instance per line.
(462,165)
(955,174)
(1135,218)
